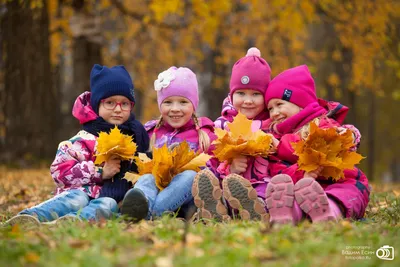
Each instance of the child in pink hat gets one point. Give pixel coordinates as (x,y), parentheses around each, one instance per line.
(292,105)
(243,181)
(178,99)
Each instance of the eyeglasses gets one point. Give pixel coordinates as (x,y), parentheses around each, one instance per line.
(110,105)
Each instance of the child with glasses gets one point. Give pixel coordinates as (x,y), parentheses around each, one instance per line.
(84,190)
(178,98)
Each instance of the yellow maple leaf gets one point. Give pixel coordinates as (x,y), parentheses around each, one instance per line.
(114,143)
(240,127)
(132,177)
(241,140)
(162,163)
(166,164)
(144,163)
(196,162)
(326,148)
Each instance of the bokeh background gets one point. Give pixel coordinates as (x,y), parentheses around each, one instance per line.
(48,48)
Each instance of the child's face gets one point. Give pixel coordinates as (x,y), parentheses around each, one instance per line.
(176,111)
(248,102)
(279,110)
(115,109)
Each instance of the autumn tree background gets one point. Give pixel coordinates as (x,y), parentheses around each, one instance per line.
(48,48)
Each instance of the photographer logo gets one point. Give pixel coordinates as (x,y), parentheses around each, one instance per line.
(385,253)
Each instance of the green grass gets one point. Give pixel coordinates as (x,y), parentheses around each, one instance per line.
(160,243)
(238,243)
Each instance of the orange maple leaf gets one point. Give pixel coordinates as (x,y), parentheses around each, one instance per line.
(241,140)
(166,164)
(326,148)
(114,143)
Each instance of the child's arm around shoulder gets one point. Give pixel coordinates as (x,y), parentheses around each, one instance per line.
(73,165)
(328,122)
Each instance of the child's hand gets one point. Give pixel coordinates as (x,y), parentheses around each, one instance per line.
(111,167)
(239,165)
(275,142)
(341,130)
(313,174)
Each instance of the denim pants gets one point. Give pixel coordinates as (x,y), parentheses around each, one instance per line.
(178,193)
(73,202)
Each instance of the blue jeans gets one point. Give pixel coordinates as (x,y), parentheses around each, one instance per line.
(73,202)
(175,195)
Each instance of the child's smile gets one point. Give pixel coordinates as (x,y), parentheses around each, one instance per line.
(279,110)
(176,111)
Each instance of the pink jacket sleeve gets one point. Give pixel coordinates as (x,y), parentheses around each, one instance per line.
(285,151)
(73,165)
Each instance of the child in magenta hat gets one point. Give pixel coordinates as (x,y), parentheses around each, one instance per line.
(244,181)
(291,193)
(178,99)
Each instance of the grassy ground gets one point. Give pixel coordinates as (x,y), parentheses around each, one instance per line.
(171,242)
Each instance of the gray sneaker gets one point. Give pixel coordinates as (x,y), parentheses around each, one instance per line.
(68,219)
(63,219)
(25,221)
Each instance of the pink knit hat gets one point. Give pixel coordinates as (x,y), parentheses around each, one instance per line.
(295,85)
(250,72)
(177,82)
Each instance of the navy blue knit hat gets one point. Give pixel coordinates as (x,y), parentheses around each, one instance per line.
(106,82)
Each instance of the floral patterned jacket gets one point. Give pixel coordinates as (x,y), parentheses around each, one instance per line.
(73,166)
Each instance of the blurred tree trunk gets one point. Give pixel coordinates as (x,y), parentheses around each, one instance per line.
(218,88)
(395,169)
(338,60)
(86,52)
(31,102)
(371,135)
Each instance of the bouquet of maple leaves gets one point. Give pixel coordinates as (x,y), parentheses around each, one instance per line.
(328,149)
(166,164)
(114,143)
(241,140)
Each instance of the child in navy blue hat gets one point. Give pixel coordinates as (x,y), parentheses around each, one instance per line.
(84,190)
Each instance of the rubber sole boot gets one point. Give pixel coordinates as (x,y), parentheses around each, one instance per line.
(135,205)
(241,195)
(207,195)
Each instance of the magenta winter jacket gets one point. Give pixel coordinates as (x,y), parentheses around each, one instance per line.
(352,192)
(73,166)
(166,134)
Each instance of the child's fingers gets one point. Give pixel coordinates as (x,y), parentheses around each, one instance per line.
(114,157)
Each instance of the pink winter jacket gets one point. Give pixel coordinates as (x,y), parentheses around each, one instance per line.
(352,192)
(73,166)
(166,134)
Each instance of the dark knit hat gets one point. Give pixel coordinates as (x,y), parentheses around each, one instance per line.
(106,82)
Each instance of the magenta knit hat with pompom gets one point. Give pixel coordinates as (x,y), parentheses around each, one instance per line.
(177,82)
(250,72)
(295,85)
